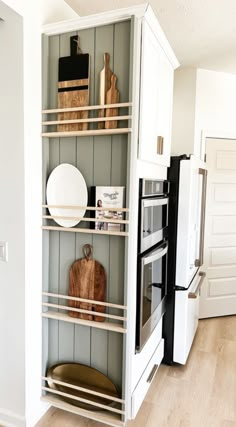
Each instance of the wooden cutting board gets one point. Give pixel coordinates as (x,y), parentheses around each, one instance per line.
(104,85)
(112,97)
(73,86)
(87,279)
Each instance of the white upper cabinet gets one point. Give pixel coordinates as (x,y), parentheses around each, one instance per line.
(156,98)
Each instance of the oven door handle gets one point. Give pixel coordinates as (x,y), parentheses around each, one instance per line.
(159,253)
(147,203)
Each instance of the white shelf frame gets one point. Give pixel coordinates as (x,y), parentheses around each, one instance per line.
(102,417)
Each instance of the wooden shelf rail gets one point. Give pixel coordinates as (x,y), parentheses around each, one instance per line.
(91,132)
(84,390)
(108,326)
(82,218)
(85,230)
(80,399)
(87,208)
(80,310)
(91,120)
(86,219)
(116,327)
(101,416)
(88,108)
(67,297)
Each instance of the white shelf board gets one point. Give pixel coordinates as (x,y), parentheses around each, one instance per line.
(101,416)
(108,326)
(95,132)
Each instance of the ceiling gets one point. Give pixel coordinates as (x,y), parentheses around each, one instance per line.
(202,33)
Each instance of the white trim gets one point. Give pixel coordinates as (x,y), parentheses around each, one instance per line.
(160,35)
(113,16)
(218,134)
(96,20)
(11,419)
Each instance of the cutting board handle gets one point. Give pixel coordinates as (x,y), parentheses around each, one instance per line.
(88,251)
(75,46)
(113,81)
(106,60)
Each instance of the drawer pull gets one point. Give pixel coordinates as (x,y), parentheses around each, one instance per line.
(194,295)
(152,373)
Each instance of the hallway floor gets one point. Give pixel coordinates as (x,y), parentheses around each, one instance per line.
(200,394)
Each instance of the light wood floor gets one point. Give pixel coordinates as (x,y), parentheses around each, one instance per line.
(200,394)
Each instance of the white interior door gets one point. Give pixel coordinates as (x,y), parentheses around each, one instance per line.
(218,293)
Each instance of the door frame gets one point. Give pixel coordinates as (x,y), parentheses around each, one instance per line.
(216,134)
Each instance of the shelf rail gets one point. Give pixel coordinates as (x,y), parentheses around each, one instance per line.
(122,222)
(107,325)
(111,128)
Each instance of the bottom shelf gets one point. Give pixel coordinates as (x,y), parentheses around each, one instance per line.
(101,416)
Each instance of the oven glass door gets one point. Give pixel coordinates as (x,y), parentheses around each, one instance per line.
(152,270)
(154,213)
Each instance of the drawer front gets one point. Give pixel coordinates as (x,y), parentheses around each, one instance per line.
(140,360)
(186,321)
(146,379)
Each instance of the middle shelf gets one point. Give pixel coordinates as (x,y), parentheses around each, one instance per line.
(109,326)
(111,221)
(115,123)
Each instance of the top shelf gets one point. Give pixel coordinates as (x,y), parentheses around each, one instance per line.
(88,120)
(88,108)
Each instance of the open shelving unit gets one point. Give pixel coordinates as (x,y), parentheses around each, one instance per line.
(102,156)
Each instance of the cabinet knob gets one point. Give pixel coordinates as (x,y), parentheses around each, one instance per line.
(160,144)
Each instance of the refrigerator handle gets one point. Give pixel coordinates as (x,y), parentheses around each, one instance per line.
(203,172)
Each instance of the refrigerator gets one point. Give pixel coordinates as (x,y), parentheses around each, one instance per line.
(188,180)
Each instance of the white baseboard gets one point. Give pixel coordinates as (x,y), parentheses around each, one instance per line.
(34,416)
(11,419)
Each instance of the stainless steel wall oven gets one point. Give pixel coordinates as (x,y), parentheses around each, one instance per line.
(153,212)
(152,257)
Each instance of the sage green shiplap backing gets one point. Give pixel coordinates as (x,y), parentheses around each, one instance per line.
(103,161)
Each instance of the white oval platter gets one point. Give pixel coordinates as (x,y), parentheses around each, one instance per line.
(66,187)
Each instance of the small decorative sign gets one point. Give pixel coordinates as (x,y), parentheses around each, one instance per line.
(104,198)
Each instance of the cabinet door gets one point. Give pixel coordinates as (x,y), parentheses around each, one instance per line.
(155,100)
(165,103)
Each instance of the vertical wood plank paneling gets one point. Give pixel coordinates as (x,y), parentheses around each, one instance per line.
(119,160)
(102,173)
(66,330)
(67,240)
(54,158)
(84,163)
(122,58)
(45,167)
(53,287)
(103,43)
(118,177)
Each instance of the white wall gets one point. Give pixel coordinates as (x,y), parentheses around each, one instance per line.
(215,104)
(184,101)
(12,224)
(30,259)
(203,101)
